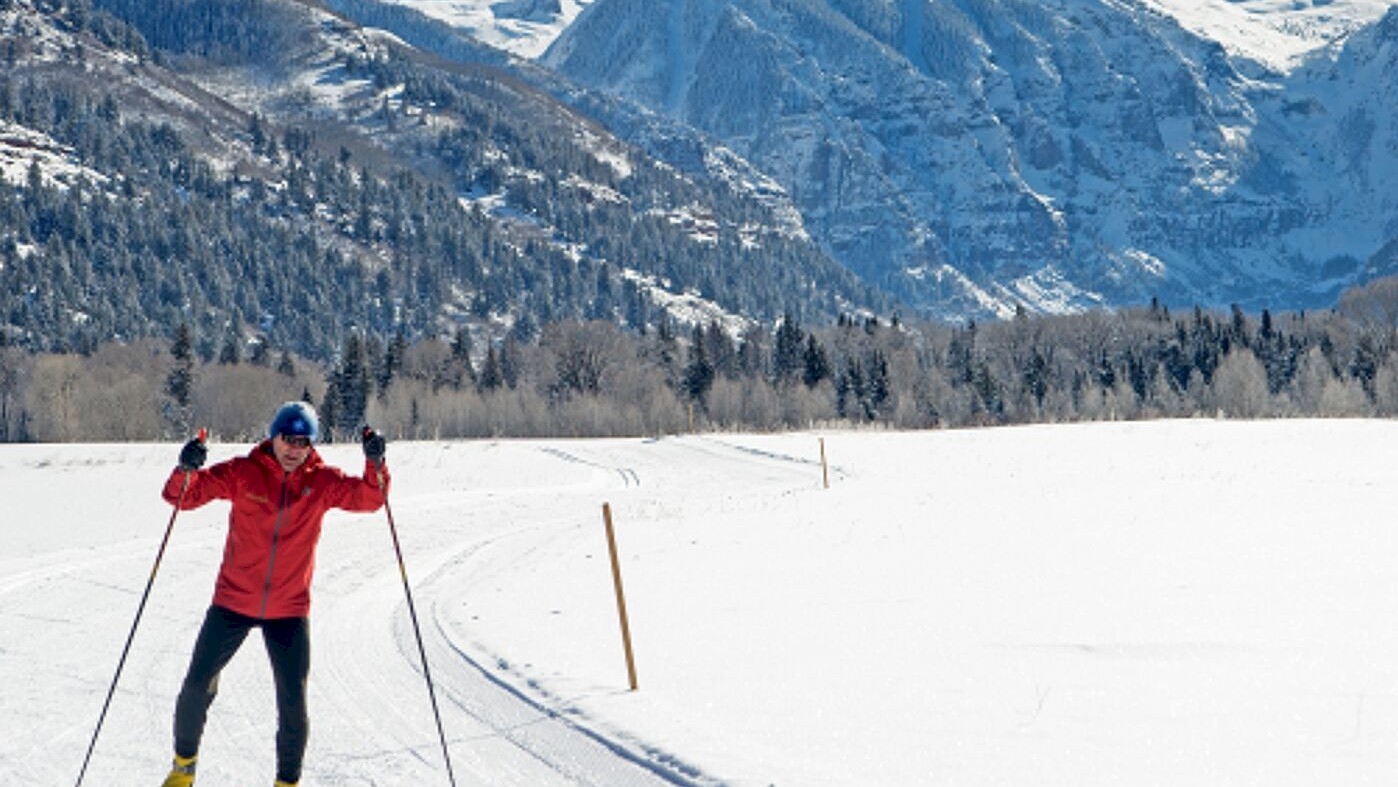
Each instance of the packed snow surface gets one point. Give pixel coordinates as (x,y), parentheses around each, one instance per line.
(1167,603)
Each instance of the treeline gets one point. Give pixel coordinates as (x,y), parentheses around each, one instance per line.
(597,379)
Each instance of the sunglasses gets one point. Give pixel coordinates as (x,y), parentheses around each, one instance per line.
(296,440)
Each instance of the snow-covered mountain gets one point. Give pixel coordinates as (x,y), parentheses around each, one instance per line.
(978,155)
(1276,32)
(522,27)
(1280,33)
(329,135)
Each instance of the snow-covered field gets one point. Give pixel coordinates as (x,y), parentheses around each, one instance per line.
(1189,602)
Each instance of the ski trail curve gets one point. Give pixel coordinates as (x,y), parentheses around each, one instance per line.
(369,674)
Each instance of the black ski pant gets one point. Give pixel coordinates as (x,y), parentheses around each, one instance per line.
(288,642)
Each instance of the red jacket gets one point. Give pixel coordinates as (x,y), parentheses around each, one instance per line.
(274,525)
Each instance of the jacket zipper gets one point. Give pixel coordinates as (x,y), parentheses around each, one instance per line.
(272,556)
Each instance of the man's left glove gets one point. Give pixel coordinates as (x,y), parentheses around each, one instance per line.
(374,446)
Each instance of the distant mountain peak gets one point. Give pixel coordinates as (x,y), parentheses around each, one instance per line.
(983,155)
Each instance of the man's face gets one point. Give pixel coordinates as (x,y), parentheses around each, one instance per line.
(291,451)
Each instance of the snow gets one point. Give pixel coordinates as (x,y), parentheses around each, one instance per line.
(21,147)
(689,308)
(1279,33)
(1163,603)
(1276,32)
(498,22)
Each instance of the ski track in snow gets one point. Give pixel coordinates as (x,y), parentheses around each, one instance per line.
(66,611)
(1163,603)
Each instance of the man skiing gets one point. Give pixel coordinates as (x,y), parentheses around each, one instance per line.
(280,493)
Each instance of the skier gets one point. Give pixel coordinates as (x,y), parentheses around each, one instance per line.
(280,492)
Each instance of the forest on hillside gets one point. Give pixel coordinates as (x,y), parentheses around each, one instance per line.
(459,199)
(597,378)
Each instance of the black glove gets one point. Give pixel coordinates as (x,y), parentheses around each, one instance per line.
(374,446)
(193,454)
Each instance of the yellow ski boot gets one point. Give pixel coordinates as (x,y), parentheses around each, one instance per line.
(181,773)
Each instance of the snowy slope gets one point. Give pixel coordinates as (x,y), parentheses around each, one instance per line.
(1279,33)
(976,157)
(1276,32)
(523,27)
(1193,602)
(979,156)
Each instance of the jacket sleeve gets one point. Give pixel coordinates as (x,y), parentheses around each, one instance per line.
(362,493)
(213,483)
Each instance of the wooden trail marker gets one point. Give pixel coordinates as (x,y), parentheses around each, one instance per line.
(620,596)
(824,468)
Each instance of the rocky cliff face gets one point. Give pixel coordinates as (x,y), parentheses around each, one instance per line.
(976,155)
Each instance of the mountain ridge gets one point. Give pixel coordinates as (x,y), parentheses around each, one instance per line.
(436,196)
(1054,156)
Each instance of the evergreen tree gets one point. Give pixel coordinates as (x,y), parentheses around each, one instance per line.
(849,389)
(878,385)
(491,378)
(525,329)
(788,359)
(722,354)
(392,363)
(666,351)
(261,355)
(462,368)
(699,371)
(988,392)
(817,363)
(330,417)
(1036,376)
(179,383)
(229,353)
(1365,364)
(752,352)
(9,387)
(510,362)
(961,354)
(349,387)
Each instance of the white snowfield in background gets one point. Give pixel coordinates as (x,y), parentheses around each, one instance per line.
(1166,603)
(1279,33)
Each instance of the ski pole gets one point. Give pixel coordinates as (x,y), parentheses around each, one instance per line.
(203,435)
(417,630)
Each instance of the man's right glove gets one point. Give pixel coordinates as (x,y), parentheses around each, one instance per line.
(193,454)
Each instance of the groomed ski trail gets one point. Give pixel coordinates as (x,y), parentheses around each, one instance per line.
(469,522)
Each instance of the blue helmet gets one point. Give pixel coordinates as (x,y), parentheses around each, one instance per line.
(295,418)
